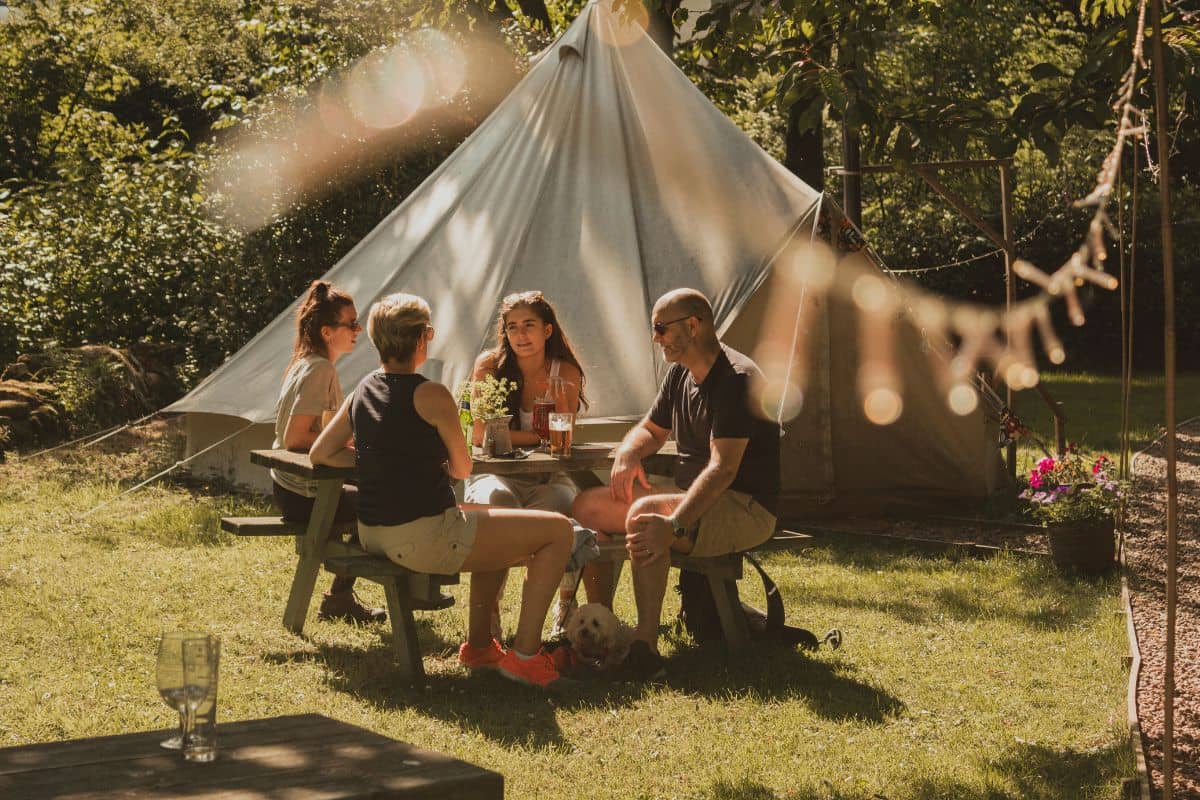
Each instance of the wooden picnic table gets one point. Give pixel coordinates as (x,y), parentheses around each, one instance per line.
(316,545)
(309,756)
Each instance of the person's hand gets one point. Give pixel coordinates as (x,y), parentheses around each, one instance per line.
(625,470)
(649,538)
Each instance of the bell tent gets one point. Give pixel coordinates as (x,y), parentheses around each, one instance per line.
(605,179)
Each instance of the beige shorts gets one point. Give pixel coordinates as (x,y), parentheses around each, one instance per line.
(437,545)
(544,493)
(736,522)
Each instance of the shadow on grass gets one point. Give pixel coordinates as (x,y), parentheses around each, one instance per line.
(1048,600)
(1023,772)
(514,715)
(773,673)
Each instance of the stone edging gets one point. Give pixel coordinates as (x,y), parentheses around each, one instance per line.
(930,545)
(1131,705)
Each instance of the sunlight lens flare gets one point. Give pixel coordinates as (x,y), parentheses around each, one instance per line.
(386,89)
(883,406)
(445,65)
(776,391)
(962,399)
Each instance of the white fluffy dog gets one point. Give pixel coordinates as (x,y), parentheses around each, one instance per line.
(598,637)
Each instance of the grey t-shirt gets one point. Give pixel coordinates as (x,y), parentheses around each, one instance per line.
(310,387)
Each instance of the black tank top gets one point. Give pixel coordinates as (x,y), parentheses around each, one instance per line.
(399,455)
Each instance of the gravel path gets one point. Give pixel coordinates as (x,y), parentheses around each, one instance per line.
(1146,556)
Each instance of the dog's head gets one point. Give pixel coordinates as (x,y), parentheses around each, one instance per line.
(597,635)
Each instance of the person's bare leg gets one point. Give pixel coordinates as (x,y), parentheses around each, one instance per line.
(596,509)
(499,497)
(650,579)
(539,539)
(485,587)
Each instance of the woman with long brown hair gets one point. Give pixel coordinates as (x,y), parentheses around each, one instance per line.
(533,351)
(326,329)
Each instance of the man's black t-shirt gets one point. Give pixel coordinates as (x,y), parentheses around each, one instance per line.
(719,408)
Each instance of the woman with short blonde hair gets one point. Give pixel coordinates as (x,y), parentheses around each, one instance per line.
(408,448)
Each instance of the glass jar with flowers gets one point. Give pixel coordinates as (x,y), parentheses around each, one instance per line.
(486,400)
(1077,501)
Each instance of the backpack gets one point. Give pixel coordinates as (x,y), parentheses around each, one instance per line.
(698,613)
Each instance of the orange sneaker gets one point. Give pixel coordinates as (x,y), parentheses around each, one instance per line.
(480,657)
(562,657)
(537,670)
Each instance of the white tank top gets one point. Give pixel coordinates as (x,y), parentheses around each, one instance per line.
(527,416)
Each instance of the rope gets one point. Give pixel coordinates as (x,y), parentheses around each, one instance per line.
(100,436)
(787,376)
(1127,381)
(963,262)
(169,469)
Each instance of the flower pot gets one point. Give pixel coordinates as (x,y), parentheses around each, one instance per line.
(1088,548)
(497,438)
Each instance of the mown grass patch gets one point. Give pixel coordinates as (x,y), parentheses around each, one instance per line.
(958,679)
(1092,407)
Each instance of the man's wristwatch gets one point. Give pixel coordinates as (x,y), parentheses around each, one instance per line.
(677,528)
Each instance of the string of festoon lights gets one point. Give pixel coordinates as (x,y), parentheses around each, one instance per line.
(808,270)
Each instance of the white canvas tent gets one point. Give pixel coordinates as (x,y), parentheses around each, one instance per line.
(605,179)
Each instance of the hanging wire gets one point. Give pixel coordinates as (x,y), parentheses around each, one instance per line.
(99,436)
(166,471)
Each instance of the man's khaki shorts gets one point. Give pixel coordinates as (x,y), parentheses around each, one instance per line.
(736,522)
(437,545)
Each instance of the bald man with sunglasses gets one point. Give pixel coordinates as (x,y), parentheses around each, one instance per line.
(727,471)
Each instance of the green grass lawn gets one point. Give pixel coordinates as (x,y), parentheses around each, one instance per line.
(958,679)
(1092,406)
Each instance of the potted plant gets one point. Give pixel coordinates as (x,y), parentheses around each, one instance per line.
(1077,502)
(486,400)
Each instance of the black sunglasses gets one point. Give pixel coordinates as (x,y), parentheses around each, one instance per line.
(660,328)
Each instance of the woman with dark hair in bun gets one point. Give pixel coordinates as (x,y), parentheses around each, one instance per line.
(326,329)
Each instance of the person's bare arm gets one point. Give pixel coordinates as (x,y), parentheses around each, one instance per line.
(653,534)
(332,444)
(724,460)
(299,434)
(643,439)
(436,405)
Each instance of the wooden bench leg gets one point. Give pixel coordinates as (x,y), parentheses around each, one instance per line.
(729,609)
(312,554)
(404,629)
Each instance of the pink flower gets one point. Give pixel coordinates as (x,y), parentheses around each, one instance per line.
(1035,481)
(1045,465)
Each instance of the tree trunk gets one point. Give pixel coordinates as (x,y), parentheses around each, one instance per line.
(852,179)
(536,11)
(804,152)
(662,26)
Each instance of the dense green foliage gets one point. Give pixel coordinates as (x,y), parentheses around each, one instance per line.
(113,112)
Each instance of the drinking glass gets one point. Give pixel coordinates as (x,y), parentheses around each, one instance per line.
(201,658)
(170,679)
(561,432)
(541,419)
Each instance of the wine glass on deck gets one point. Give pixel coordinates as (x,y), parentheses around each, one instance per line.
(169,678)
(200,659)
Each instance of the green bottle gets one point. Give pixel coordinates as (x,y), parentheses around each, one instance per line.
(464,415)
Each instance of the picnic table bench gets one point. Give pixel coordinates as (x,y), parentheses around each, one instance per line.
(319,542)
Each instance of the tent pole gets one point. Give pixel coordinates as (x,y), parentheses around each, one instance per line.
(1009,289)
(1168,265)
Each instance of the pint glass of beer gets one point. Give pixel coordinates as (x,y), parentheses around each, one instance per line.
(561,428)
